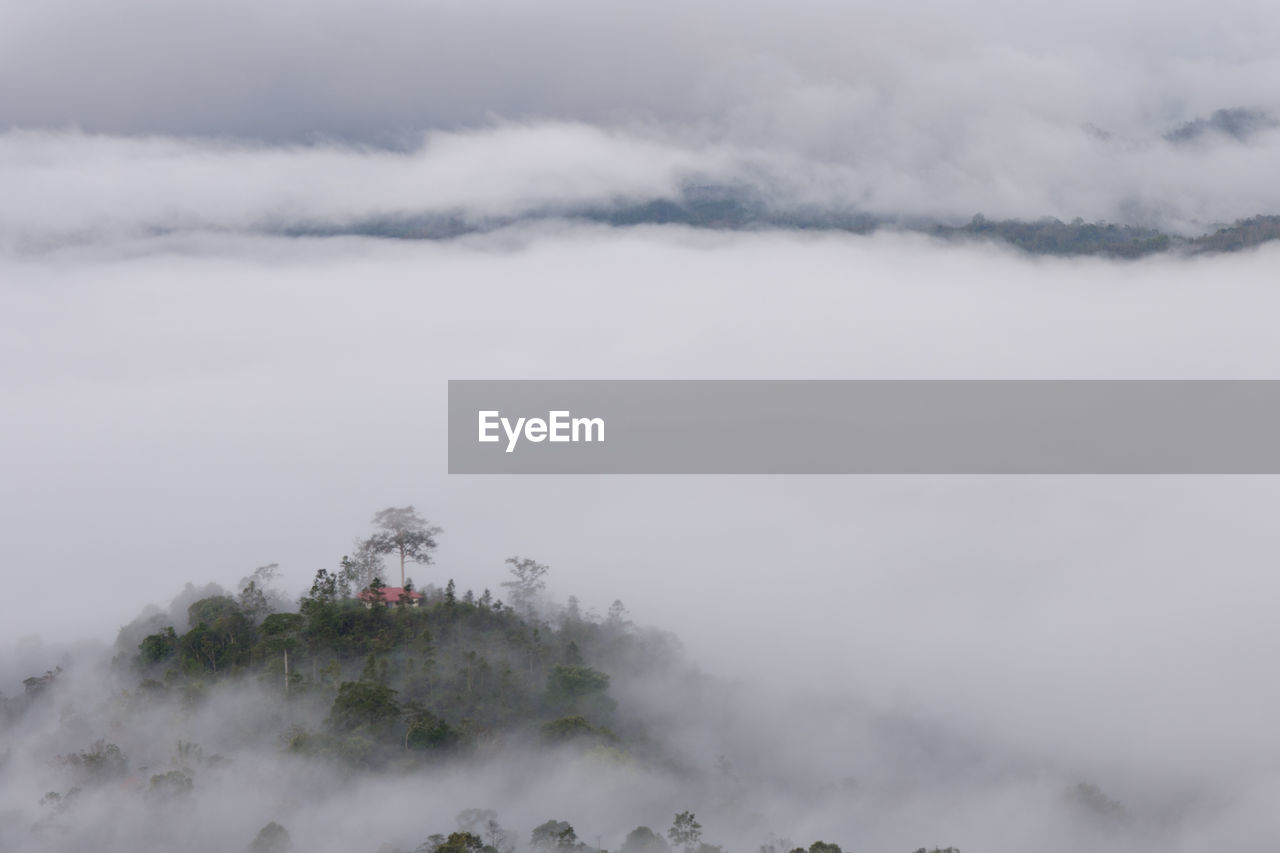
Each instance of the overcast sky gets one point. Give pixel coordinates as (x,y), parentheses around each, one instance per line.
(185,397)
(927,109)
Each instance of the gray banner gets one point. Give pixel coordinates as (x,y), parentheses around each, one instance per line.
(864,427)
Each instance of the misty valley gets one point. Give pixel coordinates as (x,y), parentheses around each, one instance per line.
(246,247)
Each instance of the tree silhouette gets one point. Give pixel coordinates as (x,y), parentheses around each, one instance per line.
(404,533)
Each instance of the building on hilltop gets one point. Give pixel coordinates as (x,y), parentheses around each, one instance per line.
(390,596)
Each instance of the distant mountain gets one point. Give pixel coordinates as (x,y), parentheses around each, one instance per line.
(1238,123)
(737,208)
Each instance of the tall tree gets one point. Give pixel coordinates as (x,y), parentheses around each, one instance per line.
(685,832)
(360,568)
(527,581)
(256,594)
(404,533)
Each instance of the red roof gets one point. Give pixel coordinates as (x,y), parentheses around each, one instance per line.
(390,594)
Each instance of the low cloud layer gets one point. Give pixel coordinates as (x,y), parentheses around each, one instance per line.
(150,116)
(194,408)
(188,394)
(71,187)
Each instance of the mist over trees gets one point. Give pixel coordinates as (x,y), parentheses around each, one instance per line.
(240,244)
(340,693)
(350,683)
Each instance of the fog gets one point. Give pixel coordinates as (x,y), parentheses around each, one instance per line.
(195,383)
(1152,113)
(186,408)
(73,187)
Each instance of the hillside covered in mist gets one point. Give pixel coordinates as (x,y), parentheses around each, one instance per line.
(361,717)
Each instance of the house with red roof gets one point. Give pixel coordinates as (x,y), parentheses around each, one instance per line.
(391,596)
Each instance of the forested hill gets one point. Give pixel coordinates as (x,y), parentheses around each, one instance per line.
(404,676)
(737,208)
(250,720)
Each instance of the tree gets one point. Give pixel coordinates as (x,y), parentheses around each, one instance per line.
(460,842)
(360,567)
(554,835)
(361,704)
(617,615)
(642,839)
(567,728)
(404,533)
(255,593)
(578,689)
(253,602)
(174,783)
(477,821)
(101,762)
(221,635)
(685,832)
(427,731)
(272,838)
(528,581)
(156,647)
(374,594)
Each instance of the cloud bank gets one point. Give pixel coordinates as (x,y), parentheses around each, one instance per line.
(234,116)
(195,384)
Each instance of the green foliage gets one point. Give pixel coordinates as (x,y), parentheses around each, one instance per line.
(282,625)
(156,648)
(174,783)
(460,842)
(579,690)
(1054,237)
(569,685)
(824,847)
(572,654)
(427,731)
(721,207)
(101,762)
(364,705)
(403,683)
(375,670)
(214,610)
(221,638)
(567,728)
(324,589)
(374,594)
(1244,234)
(280,634)
(357,750)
